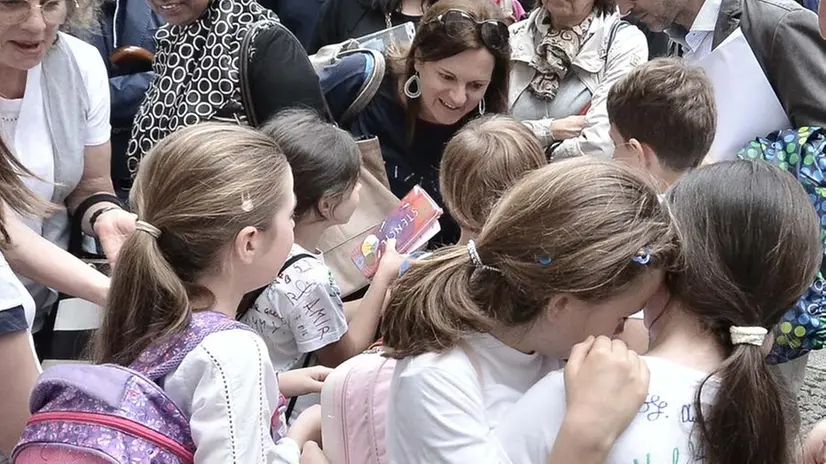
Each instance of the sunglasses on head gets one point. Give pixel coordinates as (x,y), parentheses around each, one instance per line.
(494,33)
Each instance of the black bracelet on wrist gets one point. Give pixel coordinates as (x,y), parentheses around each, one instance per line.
(94,217)
(92,200)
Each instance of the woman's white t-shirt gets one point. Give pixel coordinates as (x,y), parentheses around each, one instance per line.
(660,433)
(443,410)
(228,388)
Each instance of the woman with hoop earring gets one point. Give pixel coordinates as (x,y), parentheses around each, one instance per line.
(455,70)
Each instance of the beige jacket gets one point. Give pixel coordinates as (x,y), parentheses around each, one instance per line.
(597,65)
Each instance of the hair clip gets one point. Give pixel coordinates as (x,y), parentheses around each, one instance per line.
(544,260)
(246,203)
(643,256)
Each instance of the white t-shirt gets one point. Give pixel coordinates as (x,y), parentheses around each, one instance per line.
(299,313)
(229,390)
(660,433)
(25,131)
(14,297)
(442,410)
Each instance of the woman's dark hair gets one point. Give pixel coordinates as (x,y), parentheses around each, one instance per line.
(389,6)
(433,43)
(537,242)
(15,194)
(603,7)
(751,245)
(325,160)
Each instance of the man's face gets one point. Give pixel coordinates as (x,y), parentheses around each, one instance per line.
(658,15)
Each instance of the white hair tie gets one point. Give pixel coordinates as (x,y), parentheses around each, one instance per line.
(144,226)
(748,335)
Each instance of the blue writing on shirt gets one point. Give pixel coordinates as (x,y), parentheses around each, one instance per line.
(653,408)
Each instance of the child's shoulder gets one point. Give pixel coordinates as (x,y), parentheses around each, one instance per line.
(229,352)
(304,266)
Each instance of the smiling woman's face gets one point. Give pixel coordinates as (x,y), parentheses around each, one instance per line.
(454,86)
(179,12)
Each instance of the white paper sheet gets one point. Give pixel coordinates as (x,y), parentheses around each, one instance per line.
(747,106)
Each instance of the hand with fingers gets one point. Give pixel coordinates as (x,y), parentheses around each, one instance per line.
(297,382)
(605,383)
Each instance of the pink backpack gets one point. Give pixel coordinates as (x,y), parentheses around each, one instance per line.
(354,404)
(354,401)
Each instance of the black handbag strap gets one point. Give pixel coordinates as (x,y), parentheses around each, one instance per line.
(294,399)
(243,69)
(249,299)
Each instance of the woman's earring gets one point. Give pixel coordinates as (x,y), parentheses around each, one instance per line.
(482,107)
(413,81)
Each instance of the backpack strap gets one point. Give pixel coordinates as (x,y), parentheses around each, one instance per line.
(249,299)
(375,70)
(162,358)
(244,73)
(294,399)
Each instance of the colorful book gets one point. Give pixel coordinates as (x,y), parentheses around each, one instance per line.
(414,221)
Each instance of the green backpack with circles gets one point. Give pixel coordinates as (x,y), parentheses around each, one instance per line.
(802,153)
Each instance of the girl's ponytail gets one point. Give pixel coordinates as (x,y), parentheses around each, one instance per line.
(151,299)
(195,192)
(431,307)
(749,403)
(751,246)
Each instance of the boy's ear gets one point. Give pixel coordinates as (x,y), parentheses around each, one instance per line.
(639,150)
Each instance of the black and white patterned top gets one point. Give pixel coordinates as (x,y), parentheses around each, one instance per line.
(197,74)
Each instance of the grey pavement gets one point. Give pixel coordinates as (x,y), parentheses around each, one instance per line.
(812,397)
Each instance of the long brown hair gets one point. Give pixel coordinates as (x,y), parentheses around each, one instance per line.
(15,194)
(199,186)
(751,244)
(433,43)
(571,227)
(484,159)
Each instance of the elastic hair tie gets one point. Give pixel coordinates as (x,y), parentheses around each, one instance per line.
(476,260)
(643,256)
(148,228)
(748,335)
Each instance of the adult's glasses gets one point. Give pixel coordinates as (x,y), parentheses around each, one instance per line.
(493,33)
(14,12)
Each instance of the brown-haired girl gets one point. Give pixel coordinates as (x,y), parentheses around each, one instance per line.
(456,69)
(751,244)
(215,208)
(571,251)
(482,161)
(301,315)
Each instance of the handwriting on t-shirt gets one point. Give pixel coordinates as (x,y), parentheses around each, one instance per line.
(313,313)
(675,458)
(655,408)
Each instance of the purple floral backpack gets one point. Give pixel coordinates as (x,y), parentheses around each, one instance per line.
(112,414)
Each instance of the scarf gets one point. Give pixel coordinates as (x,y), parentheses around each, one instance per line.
(197,74)
(555,53)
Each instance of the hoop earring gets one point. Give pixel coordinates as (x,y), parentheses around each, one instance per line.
(482,105)
(410,82)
